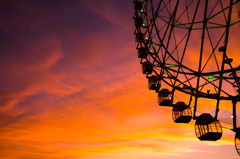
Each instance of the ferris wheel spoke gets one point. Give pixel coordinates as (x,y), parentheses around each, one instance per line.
(168,27)
(165,7)
(184,11)
(213,50)
(188,37)
(160,29)
(172,27)
(224,14)
(188,18)
(188,79)
(224,55)
(234,75)
(177,20)
(223,10)
(211,82)
(155,5)
(232,83)
(175,42)
(183,82)
(211,11)
(215,96)
(172,52)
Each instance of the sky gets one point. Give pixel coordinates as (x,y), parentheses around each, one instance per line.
(72,88)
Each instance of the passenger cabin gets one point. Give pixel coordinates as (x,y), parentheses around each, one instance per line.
(181,113)
(165,97)
(154,83)
(138,5)
(142,52)
(139,37)
(208,128)
(237,141)
(147,67)
(138,22)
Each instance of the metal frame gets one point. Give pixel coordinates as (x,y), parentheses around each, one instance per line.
(166,32)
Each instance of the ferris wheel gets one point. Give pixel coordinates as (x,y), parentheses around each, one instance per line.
(191,47)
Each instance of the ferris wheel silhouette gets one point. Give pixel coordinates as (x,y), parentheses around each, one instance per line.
(190,46)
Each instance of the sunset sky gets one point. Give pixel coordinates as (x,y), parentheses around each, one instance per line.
(72,88)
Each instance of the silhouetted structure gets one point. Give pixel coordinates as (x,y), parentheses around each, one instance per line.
(207,128)
(138,22)
(137,5)
(237,141)
(165,97)
(147,67)
(142,52)
(154,83)
(139,37)
(164,32)
(181,113)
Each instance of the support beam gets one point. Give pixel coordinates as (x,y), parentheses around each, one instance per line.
(201,53)
(224,56)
